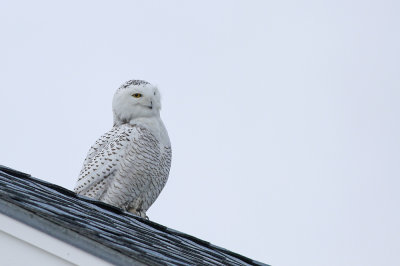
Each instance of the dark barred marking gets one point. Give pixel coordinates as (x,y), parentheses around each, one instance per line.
(134,82)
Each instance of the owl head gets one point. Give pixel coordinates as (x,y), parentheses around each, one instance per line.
(135,99)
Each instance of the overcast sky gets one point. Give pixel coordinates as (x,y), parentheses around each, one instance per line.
(283,115)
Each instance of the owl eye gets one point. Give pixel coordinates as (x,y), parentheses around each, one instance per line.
(137,95)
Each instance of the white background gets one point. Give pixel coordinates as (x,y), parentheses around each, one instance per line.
(283,115)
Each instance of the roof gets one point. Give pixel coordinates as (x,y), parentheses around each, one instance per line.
(107,232)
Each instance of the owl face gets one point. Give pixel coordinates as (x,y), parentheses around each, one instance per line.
(136,100)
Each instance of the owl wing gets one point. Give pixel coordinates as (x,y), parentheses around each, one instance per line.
(103,160)
(139,174)
(100,144)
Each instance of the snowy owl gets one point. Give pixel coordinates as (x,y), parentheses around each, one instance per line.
(129,165)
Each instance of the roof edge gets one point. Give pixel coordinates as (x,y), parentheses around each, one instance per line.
(66,235)
(92,246)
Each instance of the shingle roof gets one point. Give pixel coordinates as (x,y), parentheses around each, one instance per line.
(102,230)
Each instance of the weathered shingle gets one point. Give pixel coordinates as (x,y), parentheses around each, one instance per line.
(102,230)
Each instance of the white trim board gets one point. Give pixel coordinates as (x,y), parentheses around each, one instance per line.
(54,248)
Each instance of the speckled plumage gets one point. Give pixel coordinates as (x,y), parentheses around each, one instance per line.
(129,165)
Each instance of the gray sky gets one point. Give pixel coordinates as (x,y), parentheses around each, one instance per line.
(283,115)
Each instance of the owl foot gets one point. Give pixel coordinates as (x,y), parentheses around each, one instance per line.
(139,213)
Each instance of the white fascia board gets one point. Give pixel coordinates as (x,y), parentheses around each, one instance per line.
(48,243)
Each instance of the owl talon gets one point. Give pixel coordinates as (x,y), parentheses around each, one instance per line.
(141,214)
